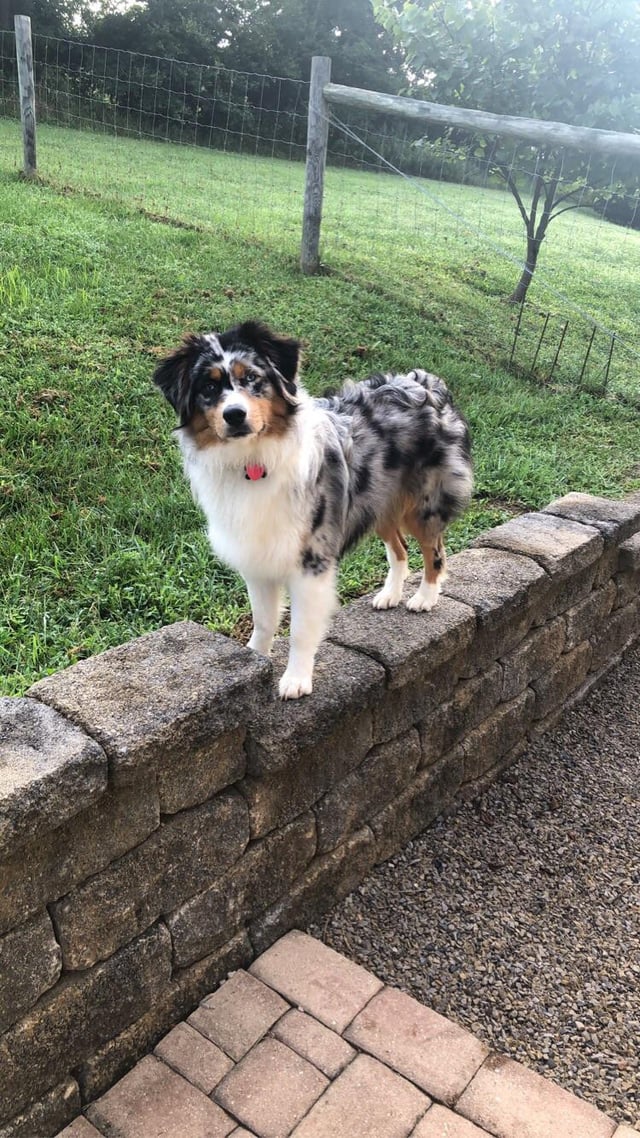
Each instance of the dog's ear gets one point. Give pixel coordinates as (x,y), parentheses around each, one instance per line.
(173,375)
(281,351)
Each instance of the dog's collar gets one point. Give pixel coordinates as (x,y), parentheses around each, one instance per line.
(254,471)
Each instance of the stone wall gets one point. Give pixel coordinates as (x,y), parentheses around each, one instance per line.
(164,818)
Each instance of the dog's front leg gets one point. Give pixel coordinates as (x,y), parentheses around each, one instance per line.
(313,600)
(266,608)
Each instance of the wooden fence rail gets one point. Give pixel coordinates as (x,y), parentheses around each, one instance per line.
(611,143)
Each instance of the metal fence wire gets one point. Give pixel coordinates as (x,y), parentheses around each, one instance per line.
(398,197)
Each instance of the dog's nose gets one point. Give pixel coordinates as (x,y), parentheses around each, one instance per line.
(234,416)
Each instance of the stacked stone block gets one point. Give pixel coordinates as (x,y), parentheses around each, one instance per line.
(164,818)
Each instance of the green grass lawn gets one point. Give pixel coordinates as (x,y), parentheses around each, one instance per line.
(99,539)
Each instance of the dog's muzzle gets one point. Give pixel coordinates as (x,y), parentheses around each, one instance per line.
(236,419)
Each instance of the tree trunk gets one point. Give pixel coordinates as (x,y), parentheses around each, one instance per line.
(520,291)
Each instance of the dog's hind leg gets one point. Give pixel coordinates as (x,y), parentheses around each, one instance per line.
(390,594)
(313,600)
(266,608)
(429,535)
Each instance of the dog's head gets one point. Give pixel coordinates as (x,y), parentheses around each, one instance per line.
(232,385)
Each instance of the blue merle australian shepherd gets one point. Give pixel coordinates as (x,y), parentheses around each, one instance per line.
(288,483)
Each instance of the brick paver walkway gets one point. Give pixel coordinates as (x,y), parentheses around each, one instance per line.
(309,1045)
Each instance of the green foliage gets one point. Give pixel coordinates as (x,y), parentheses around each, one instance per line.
(275,37)
(570,60)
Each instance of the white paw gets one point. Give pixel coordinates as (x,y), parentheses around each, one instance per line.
(292,687)
(386,599)
(425,599)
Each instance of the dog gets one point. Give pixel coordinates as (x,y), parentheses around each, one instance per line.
(288,482)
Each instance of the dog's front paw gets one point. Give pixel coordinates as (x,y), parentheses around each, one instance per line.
(386,599)
(292,686)
(425,599)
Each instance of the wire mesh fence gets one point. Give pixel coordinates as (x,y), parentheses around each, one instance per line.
(148,97)
(427,216)
(447,208)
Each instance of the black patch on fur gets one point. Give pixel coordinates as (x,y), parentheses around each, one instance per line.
(174,376)
(315,563)
(332,458)
(362,479)
(392,456)
(319,513)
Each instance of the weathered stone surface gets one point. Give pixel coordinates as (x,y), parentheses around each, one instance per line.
(271,1089)
(30,964)
(263,874)
(607,566)
(409,645)
(569,590)
(628,585)
(616,520)
(586,618)
(195,1058)
(429,793)
(401,708)
(72,1020)
(383,775)
(439,1122)
(327,1050)
(153,1092)
(533,656)
(622,626)
(473,701)
(506,591)
(497,735)
(559,545)
(628,578)
(46,1117)
(553,688)
(48,867)
(79,1128)
(505,1098)
(629,555)
(317,979)
(187,987)
(238,1014)
(365,1100)
(49,771)
(327,880)
(208,768)
(276,799)
(155,699)
(433,734)
(436,1054)
(345,686)
(497,584)
(478,785)
(188,851)
(298,750)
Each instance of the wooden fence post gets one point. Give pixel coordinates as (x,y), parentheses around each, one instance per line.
(317,137)
(24,54)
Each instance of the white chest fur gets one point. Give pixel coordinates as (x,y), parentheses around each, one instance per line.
(256,527)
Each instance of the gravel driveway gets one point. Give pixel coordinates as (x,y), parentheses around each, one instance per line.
(519,914)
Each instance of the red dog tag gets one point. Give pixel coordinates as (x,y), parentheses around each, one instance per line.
(254,471)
